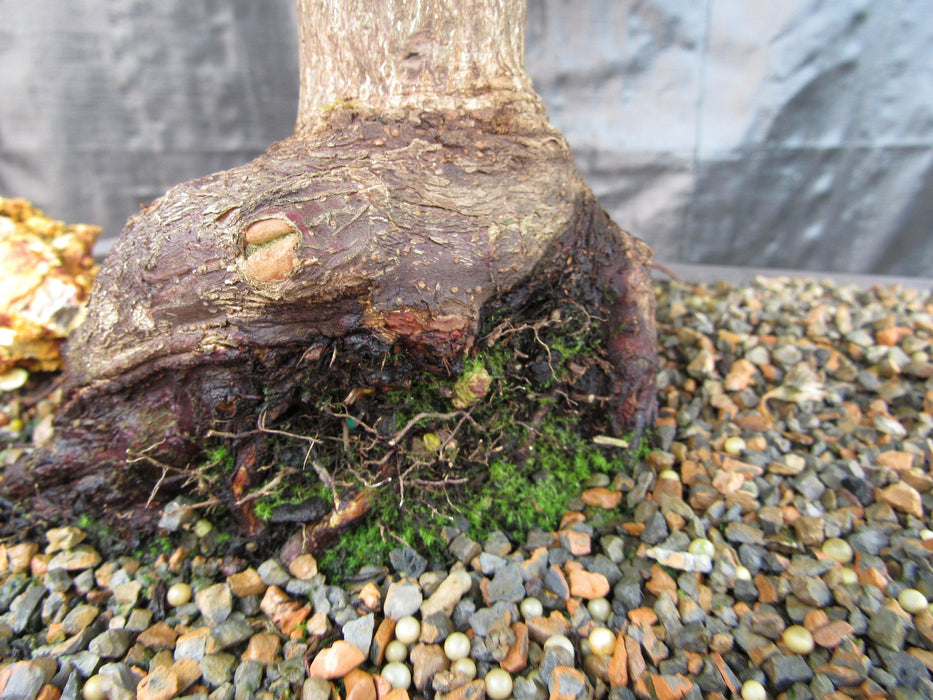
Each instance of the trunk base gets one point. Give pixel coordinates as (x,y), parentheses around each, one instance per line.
(349,320)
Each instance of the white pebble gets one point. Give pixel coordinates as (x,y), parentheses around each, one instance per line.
(926,534)
(398,674)
(531,607)
(753,690)
(798,639)
(465,666)
(498,684)
(407,630)
(599,609)
(396,651)
(669,474)
(602,641)
(178,594)
(742,573)
(457,646)
(912,600)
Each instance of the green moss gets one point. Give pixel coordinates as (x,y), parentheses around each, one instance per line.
(220,456)
(519,497)
(386,527)
(514,459)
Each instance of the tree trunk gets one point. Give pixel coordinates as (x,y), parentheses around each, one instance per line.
(423,188)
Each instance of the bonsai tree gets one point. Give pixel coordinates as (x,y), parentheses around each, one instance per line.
(423,202)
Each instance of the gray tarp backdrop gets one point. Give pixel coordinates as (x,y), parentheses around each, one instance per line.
(794,134)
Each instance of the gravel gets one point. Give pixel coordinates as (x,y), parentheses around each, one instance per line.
(831,390)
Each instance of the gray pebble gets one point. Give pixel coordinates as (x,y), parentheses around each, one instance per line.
(655,529)
(316,689)
(111,644)
(215,603)
(868,540)
(359,632)
(811,591)
(464,549)
(887,629)
(218,669)
(273,574)
(247,679)
(24,606)
(490,563)
(25,681)
(402,598)
(741,533)
(408,562)
(528,689)
(785,671)
(234,630)
(507,585)
(497,543)
(57,580)
(485,618)
(225,691)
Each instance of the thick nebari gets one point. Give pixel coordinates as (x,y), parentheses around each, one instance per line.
(423,186)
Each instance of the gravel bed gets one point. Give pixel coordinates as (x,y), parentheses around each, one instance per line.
(775,543)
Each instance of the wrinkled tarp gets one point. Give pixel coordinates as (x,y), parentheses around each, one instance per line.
(794,134)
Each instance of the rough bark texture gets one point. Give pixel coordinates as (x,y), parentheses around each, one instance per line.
(422,187)
(402,54)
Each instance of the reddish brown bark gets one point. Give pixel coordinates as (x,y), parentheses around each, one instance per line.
(387,224)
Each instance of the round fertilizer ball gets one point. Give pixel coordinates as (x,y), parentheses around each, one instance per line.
(498,684)
(912,600)
(178,594)
(798,639)
(398,675)
(407,630)
(457,646)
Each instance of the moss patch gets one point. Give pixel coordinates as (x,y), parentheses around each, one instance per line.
(426,459)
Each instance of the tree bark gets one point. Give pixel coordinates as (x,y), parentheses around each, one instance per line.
(426,55)
(423,185)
